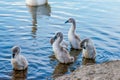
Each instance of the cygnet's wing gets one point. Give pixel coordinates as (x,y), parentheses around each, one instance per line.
(24,61)
(64,44)
(65,55)
(77,37)
(91,49)
(13,61)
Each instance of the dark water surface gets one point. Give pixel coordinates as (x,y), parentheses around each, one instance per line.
(96,19)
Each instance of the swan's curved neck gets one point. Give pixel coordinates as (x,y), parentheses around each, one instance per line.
(73,27)
(58,41)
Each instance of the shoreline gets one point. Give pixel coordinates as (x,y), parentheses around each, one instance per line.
(104,71)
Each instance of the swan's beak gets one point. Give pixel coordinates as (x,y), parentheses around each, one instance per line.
(67,21)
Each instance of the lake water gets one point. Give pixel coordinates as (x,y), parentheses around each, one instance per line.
(95,19)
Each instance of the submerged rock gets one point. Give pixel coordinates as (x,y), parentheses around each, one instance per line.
(105,71)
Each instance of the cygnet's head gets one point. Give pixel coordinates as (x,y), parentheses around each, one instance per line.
(15,51)
(58,35)
(86,44)
(70,20)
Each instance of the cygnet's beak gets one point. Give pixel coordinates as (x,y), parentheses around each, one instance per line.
(55,37)
(13,55)
(67,21)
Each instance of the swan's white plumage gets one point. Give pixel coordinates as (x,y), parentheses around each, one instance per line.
(36,2)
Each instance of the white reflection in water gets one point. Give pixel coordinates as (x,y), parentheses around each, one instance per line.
(39,11)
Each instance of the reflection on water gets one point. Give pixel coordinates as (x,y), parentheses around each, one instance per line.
(60,70)
(94,19)
(75,53)
(19,75)
(38,11)
(34,30)
(88,61)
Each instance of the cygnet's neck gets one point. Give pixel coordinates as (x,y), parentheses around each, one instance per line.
(73,27)
(57,42)
(16,56)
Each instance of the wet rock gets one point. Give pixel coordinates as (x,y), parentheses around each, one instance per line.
(105,71)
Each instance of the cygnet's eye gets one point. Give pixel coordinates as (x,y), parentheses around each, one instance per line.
(84,47)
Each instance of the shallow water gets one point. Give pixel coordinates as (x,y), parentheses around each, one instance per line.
(95,19)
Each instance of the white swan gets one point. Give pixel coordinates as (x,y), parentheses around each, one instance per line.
(88,49)
(61,53)
(73,38)
(18,61)
(36,2)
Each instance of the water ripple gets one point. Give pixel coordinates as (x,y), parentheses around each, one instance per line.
(98,20)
